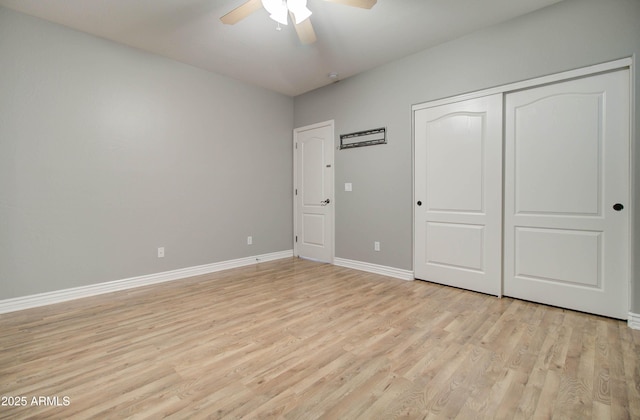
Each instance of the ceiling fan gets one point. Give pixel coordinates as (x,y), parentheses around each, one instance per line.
(297,9)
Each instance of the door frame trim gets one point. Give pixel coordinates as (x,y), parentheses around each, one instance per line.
(332,209)
(538,81)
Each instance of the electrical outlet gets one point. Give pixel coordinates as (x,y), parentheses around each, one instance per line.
(376,246)
(161,252)
(348,186)
(249,240)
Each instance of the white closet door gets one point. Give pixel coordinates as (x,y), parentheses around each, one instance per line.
(458,193)
(566,178)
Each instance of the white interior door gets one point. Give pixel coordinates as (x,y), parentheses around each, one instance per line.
(566,169)
(313,192)
(458,194)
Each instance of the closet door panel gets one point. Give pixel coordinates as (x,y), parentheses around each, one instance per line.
(566,166)
(458,191)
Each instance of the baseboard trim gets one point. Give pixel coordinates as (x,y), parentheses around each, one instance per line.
(634,321)
(48,298)
(374,268)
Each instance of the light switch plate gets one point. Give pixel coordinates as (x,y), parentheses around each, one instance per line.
(348,186)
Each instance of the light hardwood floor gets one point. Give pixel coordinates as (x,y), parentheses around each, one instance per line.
(294,339)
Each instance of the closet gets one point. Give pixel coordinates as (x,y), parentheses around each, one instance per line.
(524,191)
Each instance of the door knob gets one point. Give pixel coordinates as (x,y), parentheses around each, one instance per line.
(618,207)
(325,202)
(419,203)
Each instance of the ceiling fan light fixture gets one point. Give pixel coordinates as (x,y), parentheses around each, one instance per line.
(277,10)
(302,16)
(299,9)
(280,17)
(272,5)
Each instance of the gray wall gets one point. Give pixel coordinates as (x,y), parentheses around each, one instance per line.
(568,35)
(107,153)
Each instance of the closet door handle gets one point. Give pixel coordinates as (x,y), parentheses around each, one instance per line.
(618,206)
(419,203)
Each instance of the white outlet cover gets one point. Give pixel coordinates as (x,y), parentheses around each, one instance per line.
(348,186)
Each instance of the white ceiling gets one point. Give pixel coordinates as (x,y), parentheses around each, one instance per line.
(350,40)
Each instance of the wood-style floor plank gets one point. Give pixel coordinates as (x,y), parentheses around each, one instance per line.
(294,339)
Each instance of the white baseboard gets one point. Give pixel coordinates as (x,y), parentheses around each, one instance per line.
(42,299)
(634,321)
(375,268)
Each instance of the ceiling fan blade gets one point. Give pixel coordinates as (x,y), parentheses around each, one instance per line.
(241,12)
(363,4)
(305,31)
